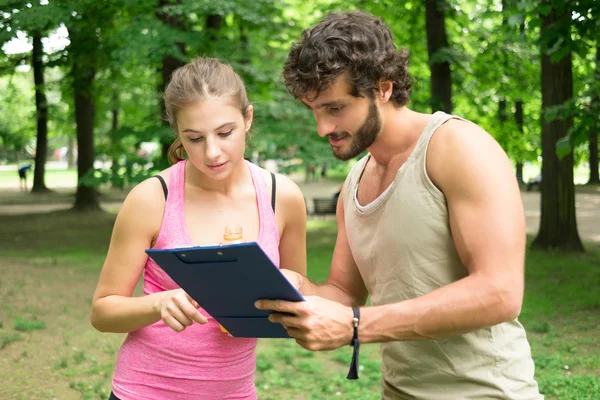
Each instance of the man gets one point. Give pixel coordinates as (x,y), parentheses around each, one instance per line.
(430,225)
(23,176)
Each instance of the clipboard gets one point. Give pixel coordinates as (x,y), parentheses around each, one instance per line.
(226,281)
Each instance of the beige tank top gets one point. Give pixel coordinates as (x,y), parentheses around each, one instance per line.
(403,247)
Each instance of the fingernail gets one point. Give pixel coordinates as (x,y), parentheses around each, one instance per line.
(257,304)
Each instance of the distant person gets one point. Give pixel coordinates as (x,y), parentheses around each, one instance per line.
(174,349)
(430,227)
(534,183)
(312,171)
(23,176)
(323,171)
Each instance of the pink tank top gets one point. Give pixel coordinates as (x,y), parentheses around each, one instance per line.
(202,362)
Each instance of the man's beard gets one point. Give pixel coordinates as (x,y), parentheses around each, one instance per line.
(363,138)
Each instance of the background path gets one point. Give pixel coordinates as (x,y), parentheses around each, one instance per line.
(587,204)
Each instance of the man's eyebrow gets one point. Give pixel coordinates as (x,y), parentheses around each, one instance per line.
(332,103)
(218,128)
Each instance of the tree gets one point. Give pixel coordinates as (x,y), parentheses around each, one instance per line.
(82,51)
(558,226)
(89,26)
(437,44)
(35,20)
(167,11)
(41,105)
(593,139)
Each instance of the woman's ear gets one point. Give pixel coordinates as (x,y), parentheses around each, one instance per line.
(249,117)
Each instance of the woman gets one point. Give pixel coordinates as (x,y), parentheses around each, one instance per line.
(174,349)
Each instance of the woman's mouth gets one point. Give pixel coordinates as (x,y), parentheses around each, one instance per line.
(216,167)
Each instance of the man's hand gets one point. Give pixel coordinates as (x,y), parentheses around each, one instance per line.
(316,324)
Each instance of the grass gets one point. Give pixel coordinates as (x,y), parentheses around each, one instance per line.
(46,319)
(23,325)
(53,177)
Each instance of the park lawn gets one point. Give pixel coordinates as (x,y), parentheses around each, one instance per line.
(50,264)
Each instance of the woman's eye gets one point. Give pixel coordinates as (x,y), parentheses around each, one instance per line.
(195,140)
(225,134)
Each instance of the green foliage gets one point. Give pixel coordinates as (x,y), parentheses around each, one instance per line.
(494,55)
(17,116)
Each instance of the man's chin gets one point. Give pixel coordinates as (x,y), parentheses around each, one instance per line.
(346,155)
(340,155)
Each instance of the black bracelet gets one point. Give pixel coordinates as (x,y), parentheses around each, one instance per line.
(353,373)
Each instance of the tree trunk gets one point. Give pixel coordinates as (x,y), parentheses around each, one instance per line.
(41,106)
(83,44)
(114,126)
(593,142)
(169,63)
(213,25)
(520,122)
(558,226)
(437,40)
(593,150)
(71,153)
(244,45)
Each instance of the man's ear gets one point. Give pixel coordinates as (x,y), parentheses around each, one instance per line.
(385,91)
(249,117)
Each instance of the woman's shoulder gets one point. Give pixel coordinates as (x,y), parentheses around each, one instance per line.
(285,186)
(148,195)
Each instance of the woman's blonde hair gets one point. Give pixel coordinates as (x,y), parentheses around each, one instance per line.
(202,78)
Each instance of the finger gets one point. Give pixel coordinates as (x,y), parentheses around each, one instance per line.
(173,323)
(289,307)
(198,317)
(190,311)
(192,301)
(296,333)
(288,321)
(176,312)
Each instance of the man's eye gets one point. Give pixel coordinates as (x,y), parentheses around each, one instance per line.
(225,134)
(335,110)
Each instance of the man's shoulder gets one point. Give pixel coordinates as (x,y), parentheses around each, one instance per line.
(458,134)
(460,148)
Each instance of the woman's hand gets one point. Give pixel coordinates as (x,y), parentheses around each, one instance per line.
(178,310)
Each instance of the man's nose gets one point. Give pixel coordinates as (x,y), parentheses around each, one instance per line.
(324,127)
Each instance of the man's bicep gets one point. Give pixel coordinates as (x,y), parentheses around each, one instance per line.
(484,205)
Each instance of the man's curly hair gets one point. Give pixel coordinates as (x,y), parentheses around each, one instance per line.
(356,43)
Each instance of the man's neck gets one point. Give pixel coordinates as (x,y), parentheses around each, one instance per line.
(401,129)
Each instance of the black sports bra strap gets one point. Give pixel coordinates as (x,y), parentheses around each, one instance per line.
(163,184)
(273,191)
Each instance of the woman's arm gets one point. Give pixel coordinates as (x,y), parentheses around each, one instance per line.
(113,307)
(291,212)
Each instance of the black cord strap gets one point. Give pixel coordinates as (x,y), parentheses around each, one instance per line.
(353,373)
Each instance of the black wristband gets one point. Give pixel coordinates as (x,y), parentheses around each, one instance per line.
(353,373)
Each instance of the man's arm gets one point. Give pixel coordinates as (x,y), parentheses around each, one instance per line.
(344,284)
(488,227)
